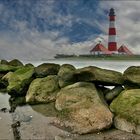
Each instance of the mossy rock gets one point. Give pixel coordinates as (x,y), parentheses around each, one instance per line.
(81,109)
(113,93)
(19,81)
(29,65)
(66,75)
(46,69)
(43,90)
(3,84)
(15,62)
(17,101)
(6,68)
(127,106)
(99,76)
(132,77)
(4,62)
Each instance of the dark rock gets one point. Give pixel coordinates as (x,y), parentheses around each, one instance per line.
(15,62)
(132,77)
(114,93)
(16,124)
(103,89)
(29,65)
(46,69)
(66,75)
(4,62)
(16,132)
(99,76)
(4,110)
(17,101)
(3,84)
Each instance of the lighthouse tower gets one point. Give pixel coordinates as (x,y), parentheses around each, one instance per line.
(112,45)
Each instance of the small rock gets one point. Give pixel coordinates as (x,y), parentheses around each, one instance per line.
(16,124)
(4,110)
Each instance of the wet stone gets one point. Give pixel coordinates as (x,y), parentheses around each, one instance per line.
(4,110)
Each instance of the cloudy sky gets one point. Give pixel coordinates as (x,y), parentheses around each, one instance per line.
(39,29)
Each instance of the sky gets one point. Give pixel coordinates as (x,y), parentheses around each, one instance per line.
(40,29)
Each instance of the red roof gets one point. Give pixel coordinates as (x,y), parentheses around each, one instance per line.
(101,48)
(124,49)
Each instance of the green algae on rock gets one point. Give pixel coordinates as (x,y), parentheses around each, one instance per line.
(19,81)
(99,76)
(15,62)
(46,69)
(127,109)
(66,75)
(86,110)
(4,62)
(132,77)
(6,68)
(43,90)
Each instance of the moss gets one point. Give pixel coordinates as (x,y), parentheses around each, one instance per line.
(127,105)
(19,80)
(131,75)
(7,68)
(43,90)
(64,114)
(98,75)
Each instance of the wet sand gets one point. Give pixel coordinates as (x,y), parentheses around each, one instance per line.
(35,124)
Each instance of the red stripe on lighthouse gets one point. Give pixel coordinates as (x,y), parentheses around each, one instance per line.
(112,46)
(112,31)
(112,18)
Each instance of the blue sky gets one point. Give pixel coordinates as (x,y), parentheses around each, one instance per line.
(36,29)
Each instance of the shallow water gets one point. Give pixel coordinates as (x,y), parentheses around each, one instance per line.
(35,120)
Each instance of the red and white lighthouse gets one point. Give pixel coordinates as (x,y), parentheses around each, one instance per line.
(112,44)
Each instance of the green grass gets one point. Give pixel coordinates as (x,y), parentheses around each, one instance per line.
(103,57)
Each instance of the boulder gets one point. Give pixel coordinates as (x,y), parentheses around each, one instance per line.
(6,68)
(113,93)
(99,76)
(2,83)
(46,69)
(29,65)
(4,62)
(15,62)
(5,78)
(19,81)
(66,75)
(81,109)
(126,107)
(132,77)
(43,90)
(17,101)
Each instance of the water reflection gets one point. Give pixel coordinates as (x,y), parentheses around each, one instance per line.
(20,121)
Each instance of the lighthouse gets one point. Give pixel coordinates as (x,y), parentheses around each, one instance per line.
(112,45)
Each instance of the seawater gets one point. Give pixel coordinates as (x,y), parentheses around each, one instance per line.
(35,119)
(112,64)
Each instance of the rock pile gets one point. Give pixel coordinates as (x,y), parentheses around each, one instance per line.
(84,98)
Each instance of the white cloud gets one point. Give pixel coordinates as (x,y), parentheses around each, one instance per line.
(31,44)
